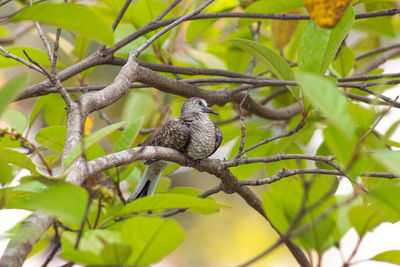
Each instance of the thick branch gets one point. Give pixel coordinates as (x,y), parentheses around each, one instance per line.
(21,244)
(373,64)
(219,97)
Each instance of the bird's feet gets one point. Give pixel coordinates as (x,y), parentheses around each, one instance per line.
(197,164)
(188,160)
(193,162)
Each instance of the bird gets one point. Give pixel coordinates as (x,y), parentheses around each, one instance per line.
(193,134)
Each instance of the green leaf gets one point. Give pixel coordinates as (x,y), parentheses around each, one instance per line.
(269,6)
(197,28)
(44,180)
(163,184)
(64,200)
(338,143)
(151,238)
(392,256)
(115,254)
(30,186)
(275,210)
(121,32)
(4,32)
(6,141)
(392,129)
(17,158)
(39,56)
(382,26)
(81,45)
(389,158)
(386,199)
(54,109)
(16,119)
(11,90)
(329,100)
(52,138)
(5,173)
(194,192)
(319,237)
(343,64)
(147,10)
(90,141)
(365,218)
(92,247)
(168,201)
(342,220)
(318,46)
(128,135)
(272,6)
(137,104)
(37,108)
(271,59)
(78,18)
(281,207)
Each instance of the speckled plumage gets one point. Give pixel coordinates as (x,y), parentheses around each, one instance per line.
(193,134)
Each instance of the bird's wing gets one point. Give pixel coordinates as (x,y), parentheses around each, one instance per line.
(218,139)
(174,134)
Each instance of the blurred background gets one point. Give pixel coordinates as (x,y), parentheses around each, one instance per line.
(227,238)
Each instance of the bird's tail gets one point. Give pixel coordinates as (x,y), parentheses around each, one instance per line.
(149,180)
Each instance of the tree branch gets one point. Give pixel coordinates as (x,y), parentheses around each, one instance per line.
(373,64)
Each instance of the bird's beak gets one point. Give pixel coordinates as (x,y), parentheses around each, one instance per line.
(209,110)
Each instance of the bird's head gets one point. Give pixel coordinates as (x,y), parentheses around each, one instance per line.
(195,105)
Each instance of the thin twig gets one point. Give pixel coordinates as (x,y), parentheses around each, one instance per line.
(52,54)
(369,77)
(242,125)
(83,147)
(255,83)
(286,173)
(85,216)
(116,185)
(292,225)
(292,234)
(354,252)
(373,64)
(55,52)
(167,10)
(24,28)
(42,70)
(28,145)
(322,216)
(7,54)
(380,175)
(171,212)
(57,245)
(291,132)
(2,3)
(99,206)
(376,51)
(357,149)
(375,101)
(255,33)
(205,194)
(44,39)
(279,242)
(146,44)
(121,14)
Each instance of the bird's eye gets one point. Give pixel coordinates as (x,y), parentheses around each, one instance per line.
(200,103)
